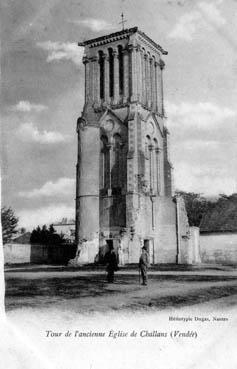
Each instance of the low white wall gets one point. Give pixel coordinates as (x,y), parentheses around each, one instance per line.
(219,248)
(16,253)
(38,254)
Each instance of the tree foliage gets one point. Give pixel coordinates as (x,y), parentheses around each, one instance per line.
(9,224)
(46,236)
(196,206)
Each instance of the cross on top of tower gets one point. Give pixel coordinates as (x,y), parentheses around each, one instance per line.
(122,21)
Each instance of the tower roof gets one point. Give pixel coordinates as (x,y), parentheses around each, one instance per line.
(102,40)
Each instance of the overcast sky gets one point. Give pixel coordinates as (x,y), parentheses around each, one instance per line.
(43,81)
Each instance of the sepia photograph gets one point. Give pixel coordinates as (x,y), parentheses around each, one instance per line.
(118,184)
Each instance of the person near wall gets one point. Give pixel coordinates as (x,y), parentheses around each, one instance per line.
(144,265)
(111,264)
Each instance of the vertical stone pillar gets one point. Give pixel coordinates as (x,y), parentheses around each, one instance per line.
(106,79)
(139,73)
(157,86)
(153,85)
(162,66)
(159,89)
(132,201)
(167,166)
(133,74)
(116,77)
(130,156)
(143,78)
(146,79)
(125,75)
(149,81)
(85,61)
(96,80)
(87,201)
(78,165)
(91,75)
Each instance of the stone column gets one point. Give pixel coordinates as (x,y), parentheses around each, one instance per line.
(139,73)
(168,180)
(157,86)
(133,74)
(149,81)
(143,78)
(87,192)
(153,85)
(96,80)
(106,79)
(162,66)
(146,79)
(125,75)
(116,77)
(91,67)
(85,61)
(130,155)
(159,70)
(78,182)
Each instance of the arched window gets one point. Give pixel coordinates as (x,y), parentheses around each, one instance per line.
(120,58)
(111,72)
(116,169)
(147,143)
(104,163)
(102,72)
(148,161)
(156,166)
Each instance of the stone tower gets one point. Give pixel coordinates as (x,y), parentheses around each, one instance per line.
(124,176)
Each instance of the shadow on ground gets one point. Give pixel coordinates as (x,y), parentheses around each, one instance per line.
(89,292)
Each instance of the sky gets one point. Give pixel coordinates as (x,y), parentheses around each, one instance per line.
(43,86)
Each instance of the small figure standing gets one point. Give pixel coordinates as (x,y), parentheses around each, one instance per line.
(144,265)
(111,264)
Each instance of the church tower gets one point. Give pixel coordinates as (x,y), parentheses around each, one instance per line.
(124,176)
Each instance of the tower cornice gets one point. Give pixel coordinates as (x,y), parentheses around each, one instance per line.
(116,36)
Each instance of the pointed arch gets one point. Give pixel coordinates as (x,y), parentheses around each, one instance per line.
(116,169)
(104,163)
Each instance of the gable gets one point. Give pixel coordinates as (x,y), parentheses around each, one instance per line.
(110,125)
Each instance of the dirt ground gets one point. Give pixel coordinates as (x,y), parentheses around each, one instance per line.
(86,291)
(65,301)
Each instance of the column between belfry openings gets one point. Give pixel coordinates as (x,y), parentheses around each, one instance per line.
(133,73)
(125,75)
(106,79)
(116,77)
(85,61)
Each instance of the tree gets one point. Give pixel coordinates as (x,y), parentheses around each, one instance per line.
(46,236)
(22,230)
(196,206)
(9,224)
